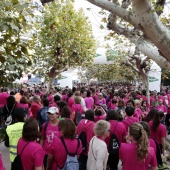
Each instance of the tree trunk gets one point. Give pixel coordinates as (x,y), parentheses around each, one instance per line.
(50,83)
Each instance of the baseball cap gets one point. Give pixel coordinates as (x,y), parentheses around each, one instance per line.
(53,110)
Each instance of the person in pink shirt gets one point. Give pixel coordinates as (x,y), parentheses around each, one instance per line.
(86,125)
(138,112)
(136,154)
(100,113)
(1,163)
(119,130)
(77,107)
(70,100)
(49,131)
(153,143)
(101,101)
(33,153)
(129,119)
(161,107)
(23,103)
(112,104)
(36,105)
(3,101)
(58,154)
(55,100)
(89,101)
(158,130)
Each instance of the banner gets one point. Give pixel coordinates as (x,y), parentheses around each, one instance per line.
(155,77)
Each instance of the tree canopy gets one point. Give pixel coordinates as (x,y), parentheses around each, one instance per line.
(144,23)
(16,39)
(65,39)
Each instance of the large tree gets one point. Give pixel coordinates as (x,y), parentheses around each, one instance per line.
(16,39)
(143,22)
(65,39)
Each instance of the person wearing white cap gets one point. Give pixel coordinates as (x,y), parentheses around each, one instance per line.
(49,131)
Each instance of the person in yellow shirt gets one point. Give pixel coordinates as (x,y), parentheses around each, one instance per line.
(14,132)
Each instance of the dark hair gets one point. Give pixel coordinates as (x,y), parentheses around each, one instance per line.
(65,112)
(73,89)
(21,92)
(24,100)
(129,110)
(98,112)
(146,127)
(56,98)
(30,130)
(69,95)
(12,93)
(112,115)
(88,93)
(114,101)
(89,115)
(130,101)
(150,115)
(61,104)
(46,102)
(19,114)
(157,120)
(144,101)
(11,100)
(68,128)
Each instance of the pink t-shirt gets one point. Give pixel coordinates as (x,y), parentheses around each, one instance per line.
(32,155)
(51,132)
(24,106)
(128,121)
(64,97)
(97,118)
(1,163)
(118,129)
(35,107)
(152,144)
(111,106)
(89,102)
(76,108)
(88,127)
(138,112)
(101,102)
(3,99)
(128,155)
(162,108)
(70,102)
(58,150)
(160,132)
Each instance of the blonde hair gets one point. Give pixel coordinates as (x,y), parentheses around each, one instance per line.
(77,99)
(101,127)
(139,135)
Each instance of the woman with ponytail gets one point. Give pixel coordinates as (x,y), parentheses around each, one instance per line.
(136,154)
(158,130)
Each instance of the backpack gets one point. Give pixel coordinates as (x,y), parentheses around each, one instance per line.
(17,164)
(72,162)
(114,144)
(78,118)
(83,139)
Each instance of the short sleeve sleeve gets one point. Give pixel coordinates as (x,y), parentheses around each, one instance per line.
(153,161)
(39,157)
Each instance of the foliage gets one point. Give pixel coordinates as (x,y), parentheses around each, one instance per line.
(111,72)
(15,53)
(65,39)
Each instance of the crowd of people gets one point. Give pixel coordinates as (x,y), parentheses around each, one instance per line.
(86,128)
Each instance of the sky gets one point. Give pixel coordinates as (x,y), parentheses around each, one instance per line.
(92,12)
